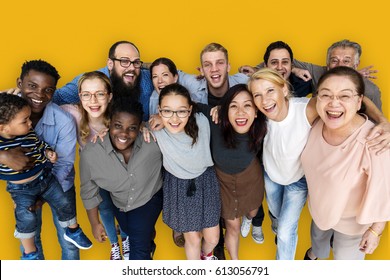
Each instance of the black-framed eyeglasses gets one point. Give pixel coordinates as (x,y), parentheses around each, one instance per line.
(125,62)
(169,113)
(86,95)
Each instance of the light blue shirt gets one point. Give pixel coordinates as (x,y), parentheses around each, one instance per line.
(68,94)
(197,88)
(58,129)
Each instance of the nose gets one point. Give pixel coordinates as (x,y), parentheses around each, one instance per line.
(279,66)
(93,98)
(29,123)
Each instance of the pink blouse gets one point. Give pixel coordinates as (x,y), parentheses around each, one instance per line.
(349,186)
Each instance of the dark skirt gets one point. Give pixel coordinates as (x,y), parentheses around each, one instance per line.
(241,192)
(191,204)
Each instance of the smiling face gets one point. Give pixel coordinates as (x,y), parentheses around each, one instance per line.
(337,114)
(343,57)
(176,103)
(126,76)
(161,77)
(38,89)
(280,60)
(95,107)
(215,69)
(19,125)
(242,112)
(270,99)
(124,129)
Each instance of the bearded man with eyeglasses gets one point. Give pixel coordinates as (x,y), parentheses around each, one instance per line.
(124,68)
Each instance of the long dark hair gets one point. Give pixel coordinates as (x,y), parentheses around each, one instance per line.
(191,128)
(257,130)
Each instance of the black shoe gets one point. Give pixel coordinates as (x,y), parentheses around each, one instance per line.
(152,250)
(331,241)
(307,258)
(219,252)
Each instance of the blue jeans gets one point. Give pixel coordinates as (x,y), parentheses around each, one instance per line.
(285,202)
(106,211)
(69,251)
(139,226)
(44,187)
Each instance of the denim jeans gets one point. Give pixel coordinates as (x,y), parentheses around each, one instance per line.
(47,188)
(285,202)
(69,251)
(106,211)
(139,225)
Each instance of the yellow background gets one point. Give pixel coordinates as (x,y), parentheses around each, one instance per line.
(75,37)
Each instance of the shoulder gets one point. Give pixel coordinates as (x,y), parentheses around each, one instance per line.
(238,78)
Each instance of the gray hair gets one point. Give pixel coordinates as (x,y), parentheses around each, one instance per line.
(345,44)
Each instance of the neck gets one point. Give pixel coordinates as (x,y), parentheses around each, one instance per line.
(338,135)
(35,117)
(219,92)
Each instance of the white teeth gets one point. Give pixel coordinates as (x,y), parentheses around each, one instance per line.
(36,101)
(122,140)
(334,114)
(241,121)
(269,107)
(215,76)
(130,74)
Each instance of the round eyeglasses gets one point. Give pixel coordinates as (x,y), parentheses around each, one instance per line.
(85,95)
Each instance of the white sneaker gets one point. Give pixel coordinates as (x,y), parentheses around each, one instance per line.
(245,226)
(257,234)
(126,248)
(115,253)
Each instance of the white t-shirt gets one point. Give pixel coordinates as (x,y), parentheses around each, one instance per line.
(284,143)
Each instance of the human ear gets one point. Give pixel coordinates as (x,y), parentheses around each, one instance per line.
(19,83)
(110,64)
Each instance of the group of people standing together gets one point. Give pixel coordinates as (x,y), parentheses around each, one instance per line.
(204,151)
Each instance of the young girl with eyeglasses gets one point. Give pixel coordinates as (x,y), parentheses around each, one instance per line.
(92,117)
(191,191)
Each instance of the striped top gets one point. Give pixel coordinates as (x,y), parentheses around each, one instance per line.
(36,148)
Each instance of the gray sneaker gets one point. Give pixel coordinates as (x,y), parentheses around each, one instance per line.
(257,234)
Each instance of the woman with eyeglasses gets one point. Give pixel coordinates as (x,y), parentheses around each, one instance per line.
(349,185)
(288,127)
(92,117)
(191,192)
(130,169)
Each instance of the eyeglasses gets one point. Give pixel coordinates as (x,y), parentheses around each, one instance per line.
(85,95)
(169,113)
(343,98)
(124,62)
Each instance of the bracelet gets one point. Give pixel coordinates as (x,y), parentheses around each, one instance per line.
(374,232)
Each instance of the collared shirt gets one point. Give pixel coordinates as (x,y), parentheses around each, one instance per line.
(58,129)
(68,94)
(199,90)
(131,185)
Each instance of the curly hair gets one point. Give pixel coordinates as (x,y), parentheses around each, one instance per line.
(40,66)
(125,104)
(10,105)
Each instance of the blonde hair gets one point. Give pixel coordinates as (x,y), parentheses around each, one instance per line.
(272,76)
(84,122)
(214,47)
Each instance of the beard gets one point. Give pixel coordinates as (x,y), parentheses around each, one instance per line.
(122,89)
